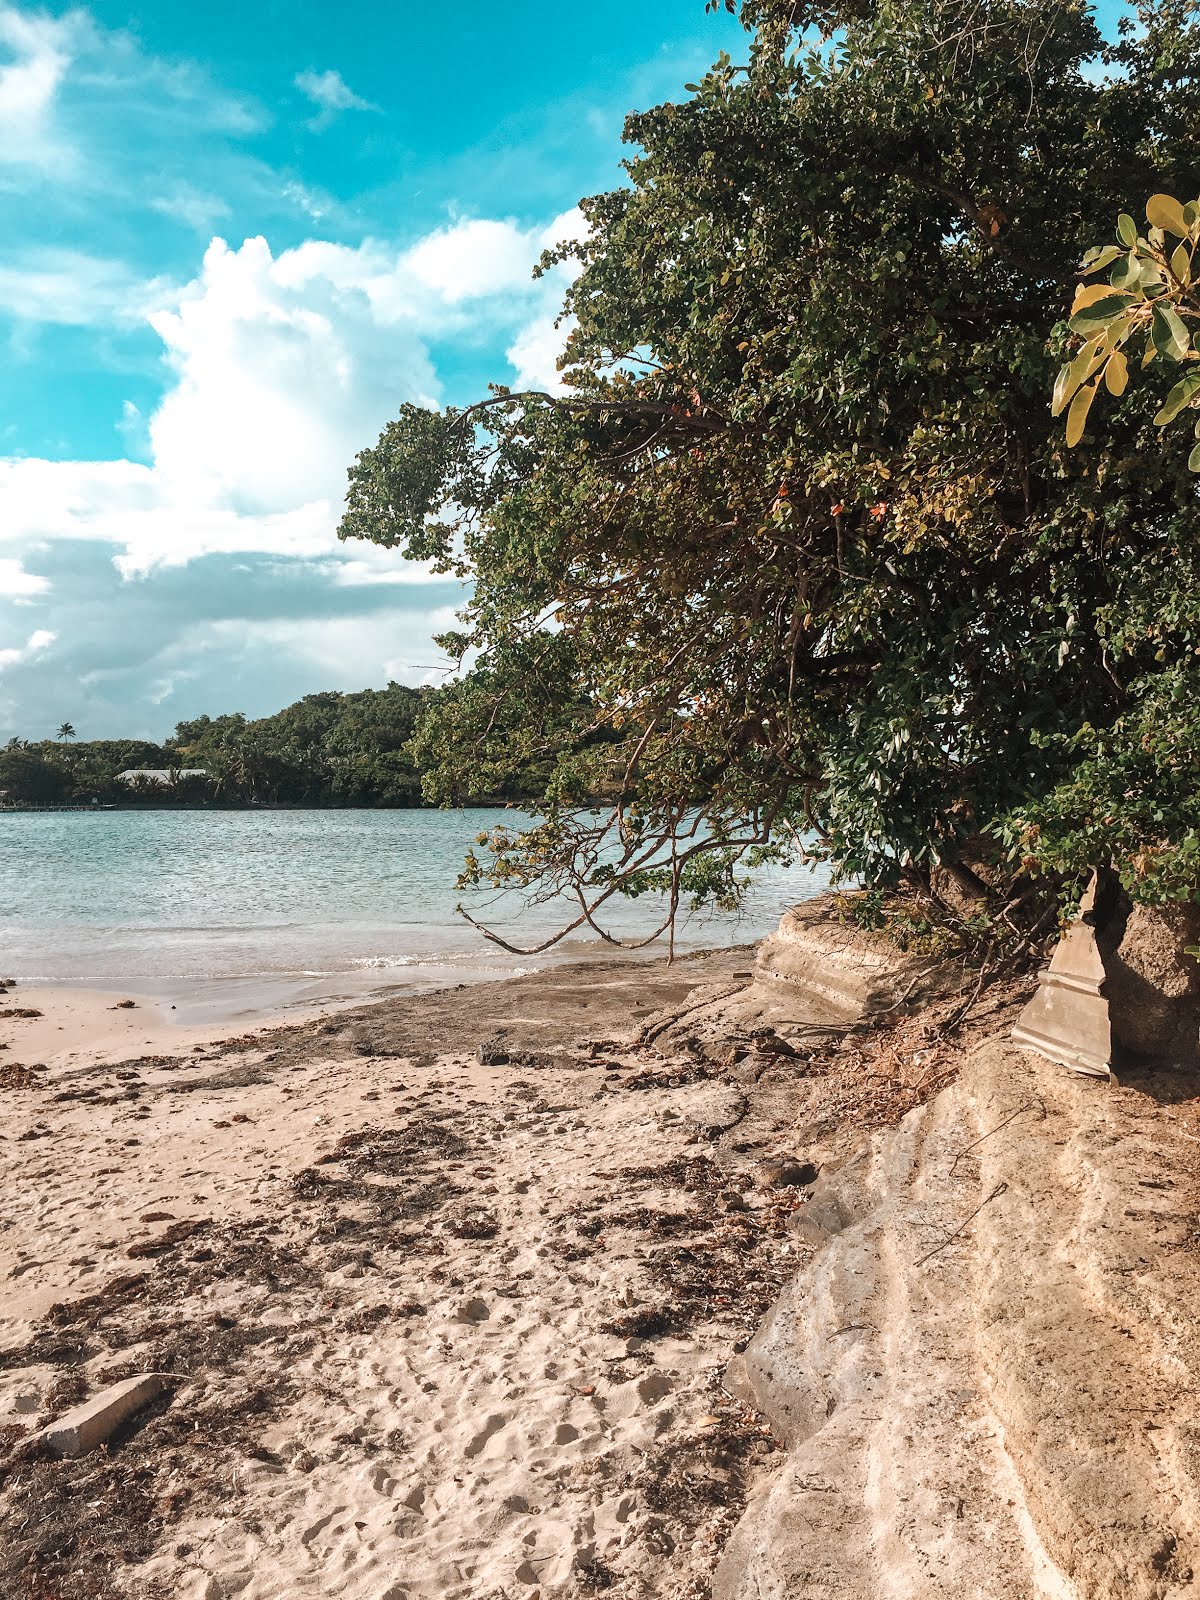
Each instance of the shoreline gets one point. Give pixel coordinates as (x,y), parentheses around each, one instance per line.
(210,1004)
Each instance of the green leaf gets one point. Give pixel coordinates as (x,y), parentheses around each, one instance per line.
(1194,459)
(1164,211)
(1091,294)
(1179,397)
(1127,230)
(1181,263)
(1191,213)
(1102,256)
(1100,314)
(1077,416)
(1127,274)
(1169,334)
(1116,374)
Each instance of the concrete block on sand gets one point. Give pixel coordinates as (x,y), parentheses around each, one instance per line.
(94,1422)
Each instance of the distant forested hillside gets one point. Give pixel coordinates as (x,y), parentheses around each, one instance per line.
(326,750)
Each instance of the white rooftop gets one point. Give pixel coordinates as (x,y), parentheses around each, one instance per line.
(162,774)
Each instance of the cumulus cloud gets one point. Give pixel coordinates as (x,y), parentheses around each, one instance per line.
(245,633)
(16,583)
(535,351)
(282,367)
(279,368)
(331,94)
(473,258)
(41,639)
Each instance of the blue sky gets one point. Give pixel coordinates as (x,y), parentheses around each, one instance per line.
(236,236)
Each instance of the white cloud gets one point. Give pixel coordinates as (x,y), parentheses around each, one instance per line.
(74,289)
(535,351)
(42,48)
(282,375)
(38,641)
(191,206)
(477,257)
(474,258)
(282,367)
(16,583)
(374,567)
(71,90)
(313,202)
(331,94)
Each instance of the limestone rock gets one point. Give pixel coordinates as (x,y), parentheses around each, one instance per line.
(831,966)
(785,1172)
(1152,986)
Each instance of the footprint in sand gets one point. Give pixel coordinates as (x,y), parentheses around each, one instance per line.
(318,1527)
(382,1482)
(490,1429)
(653,1388)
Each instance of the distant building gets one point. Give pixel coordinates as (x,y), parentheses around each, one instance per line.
(161,774)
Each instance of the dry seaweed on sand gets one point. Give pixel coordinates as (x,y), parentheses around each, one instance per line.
(15,1075)
(69,1527)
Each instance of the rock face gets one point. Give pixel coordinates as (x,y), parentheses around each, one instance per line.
(986,1374)
(816,977)
(814,961)
(1120,984)
(1152,985)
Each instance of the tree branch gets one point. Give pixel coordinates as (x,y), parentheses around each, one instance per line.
(986,222)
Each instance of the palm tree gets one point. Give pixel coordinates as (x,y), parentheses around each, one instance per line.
(65,731)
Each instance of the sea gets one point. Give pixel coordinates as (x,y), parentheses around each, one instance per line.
(227,914)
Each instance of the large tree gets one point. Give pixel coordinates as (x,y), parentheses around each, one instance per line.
(797,552)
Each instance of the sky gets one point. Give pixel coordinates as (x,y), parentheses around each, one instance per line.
(234,239)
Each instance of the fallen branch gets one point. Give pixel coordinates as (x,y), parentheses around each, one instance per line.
(1001,1188)
(1030,1105)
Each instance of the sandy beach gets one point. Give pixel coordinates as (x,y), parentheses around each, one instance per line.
(570,1284)
(436,1327)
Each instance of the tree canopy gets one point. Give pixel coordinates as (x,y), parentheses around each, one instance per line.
(798,552)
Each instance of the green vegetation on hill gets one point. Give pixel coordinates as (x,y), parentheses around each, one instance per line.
(326,750)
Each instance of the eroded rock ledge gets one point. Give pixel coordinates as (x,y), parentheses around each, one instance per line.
(987,1373)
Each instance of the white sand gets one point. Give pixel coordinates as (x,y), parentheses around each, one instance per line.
(448,1416)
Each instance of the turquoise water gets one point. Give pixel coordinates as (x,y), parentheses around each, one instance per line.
(170,898)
